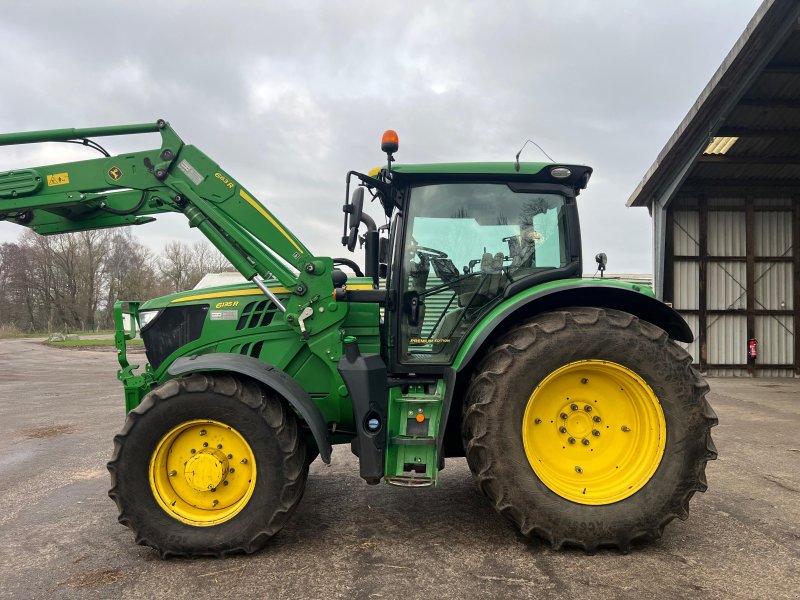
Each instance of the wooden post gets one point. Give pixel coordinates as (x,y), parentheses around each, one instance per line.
(750,276)
(796,255)
(702,320)
(669,257)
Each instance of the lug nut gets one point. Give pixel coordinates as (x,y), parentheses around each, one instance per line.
(230,456)
(563,416)
(202,432)
(231,469)
(585,442)
(587,408)
(584,381)
(215,502)
(219,446)
(596,419)
(625,428)
(573,406)
(537,421)
(578,470)
(205,444)
(595,433)
(193,450)
(562,429)
(571,440)
(244,461)
(225,482)
(173,473)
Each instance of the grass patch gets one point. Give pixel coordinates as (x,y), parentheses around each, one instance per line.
(4,335)
(88,343)
(9,332)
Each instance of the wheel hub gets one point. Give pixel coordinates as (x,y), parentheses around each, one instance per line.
(594,432)
(205,471)
(578,422)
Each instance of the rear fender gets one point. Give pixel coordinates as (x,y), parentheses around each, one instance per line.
(271,377)
(629,298)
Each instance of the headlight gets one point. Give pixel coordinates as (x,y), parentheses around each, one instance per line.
(146,316)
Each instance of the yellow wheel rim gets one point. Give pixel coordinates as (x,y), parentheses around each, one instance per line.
(594,432)
(202,473)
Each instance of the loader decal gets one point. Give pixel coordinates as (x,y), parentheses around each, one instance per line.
(57,179)
(224,180)
(115,173)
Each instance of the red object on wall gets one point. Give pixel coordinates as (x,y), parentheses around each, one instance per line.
(752,348)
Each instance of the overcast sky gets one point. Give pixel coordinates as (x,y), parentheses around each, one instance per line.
(288,97)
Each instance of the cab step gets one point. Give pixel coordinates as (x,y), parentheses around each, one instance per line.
(414,419)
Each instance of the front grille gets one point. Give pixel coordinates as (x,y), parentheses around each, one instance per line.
(174,327)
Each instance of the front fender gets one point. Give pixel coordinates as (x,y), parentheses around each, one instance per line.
(557,295)
(273,378)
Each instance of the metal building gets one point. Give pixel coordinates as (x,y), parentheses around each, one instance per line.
(724,194)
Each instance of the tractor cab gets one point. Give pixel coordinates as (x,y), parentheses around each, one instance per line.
(462,237)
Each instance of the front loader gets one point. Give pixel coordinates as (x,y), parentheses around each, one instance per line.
(470,332)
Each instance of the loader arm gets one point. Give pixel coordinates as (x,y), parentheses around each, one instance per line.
(128,189)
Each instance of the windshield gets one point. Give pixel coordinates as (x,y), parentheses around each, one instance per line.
(465,243)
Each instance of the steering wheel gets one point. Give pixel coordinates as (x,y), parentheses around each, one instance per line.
(430,252)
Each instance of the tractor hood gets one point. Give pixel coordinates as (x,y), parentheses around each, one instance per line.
(212,295)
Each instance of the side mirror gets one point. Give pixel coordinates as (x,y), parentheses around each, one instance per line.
(602,260)
(354,210)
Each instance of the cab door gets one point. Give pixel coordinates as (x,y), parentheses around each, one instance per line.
(463,244)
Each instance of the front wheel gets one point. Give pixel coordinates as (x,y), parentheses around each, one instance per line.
(207,466)
(588,427)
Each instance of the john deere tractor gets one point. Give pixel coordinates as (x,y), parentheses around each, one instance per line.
(469,331)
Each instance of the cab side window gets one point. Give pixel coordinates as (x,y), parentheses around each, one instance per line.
(465,243)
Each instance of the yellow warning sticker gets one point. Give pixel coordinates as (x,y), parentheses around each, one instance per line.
(58,179)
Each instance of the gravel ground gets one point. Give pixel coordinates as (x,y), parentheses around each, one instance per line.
(59,537)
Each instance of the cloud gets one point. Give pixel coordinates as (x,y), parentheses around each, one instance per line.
(288,98)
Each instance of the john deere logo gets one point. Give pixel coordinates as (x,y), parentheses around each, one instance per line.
(115,173)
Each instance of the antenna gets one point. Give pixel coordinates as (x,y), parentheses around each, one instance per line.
(516,163)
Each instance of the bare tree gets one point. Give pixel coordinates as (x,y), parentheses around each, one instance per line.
(183,265)
(73,280)
(130,272)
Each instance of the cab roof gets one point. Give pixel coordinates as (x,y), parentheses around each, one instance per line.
(538,172)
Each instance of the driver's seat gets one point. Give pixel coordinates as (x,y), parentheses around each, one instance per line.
(445,269)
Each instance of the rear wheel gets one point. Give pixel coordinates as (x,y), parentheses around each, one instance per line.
(207,465)
(588,427)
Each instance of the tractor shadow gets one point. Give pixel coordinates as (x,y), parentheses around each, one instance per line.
(338,504)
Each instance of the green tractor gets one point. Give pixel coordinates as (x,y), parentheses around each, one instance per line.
(470,332)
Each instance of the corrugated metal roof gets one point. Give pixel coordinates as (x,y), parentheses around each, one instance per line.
(720,145)
(755,96)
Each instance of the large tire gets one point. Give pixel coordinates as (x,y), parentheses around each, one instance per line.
(276,448)
(505,381)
